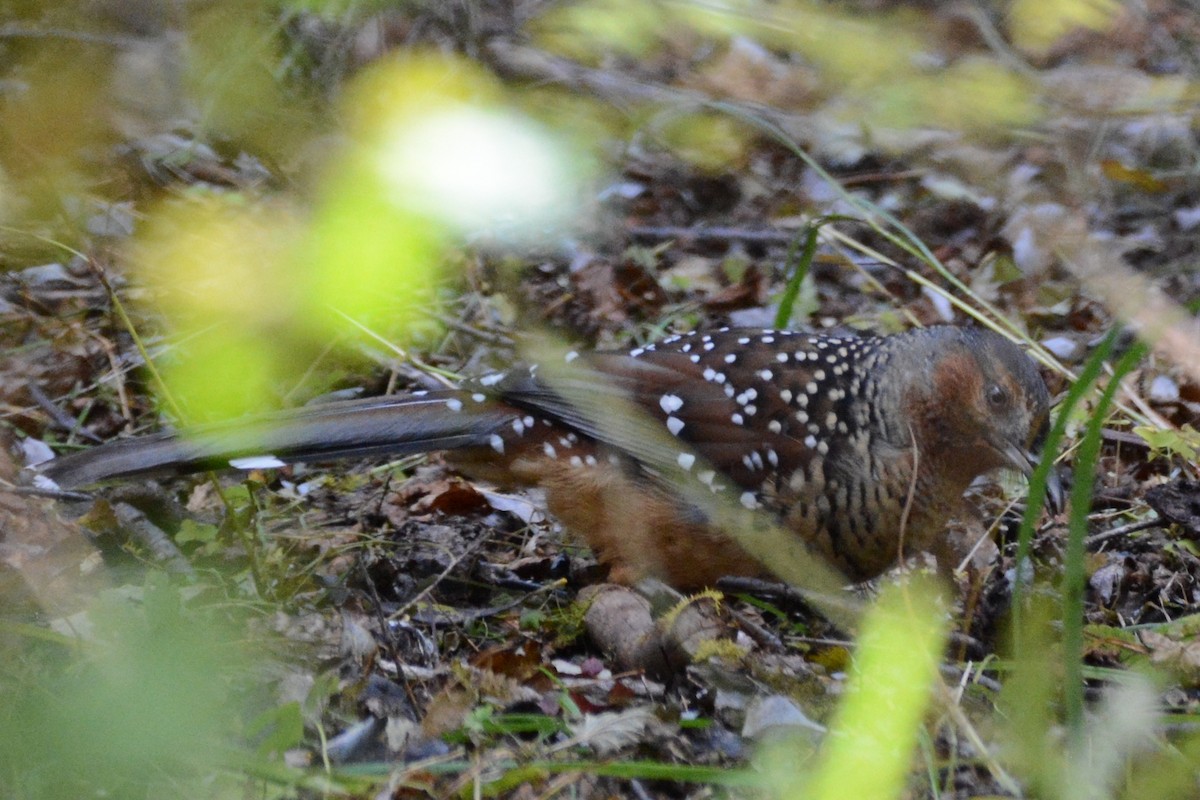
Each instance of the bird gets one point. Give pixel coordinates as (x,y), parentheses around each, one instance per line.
(859,447)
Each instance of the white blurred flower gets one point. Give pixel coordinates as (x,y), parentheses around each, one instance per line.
(472,168)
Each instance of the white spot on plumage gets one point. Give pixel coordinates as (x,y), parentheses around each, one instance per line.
(822,447)
(775,426)
(496,442)
(576,461)
(749,500)
(772,457)
(709,373)
(766,374)
(519,427)
(493,379)
(529,421)
(686,460)
(730,358)
(674,425)
(479,397)
(707,477)
(810,441)
(737,419)
(549,450)
(257,462)
(637,351)
(781,358)
(454,404)
(590,460)
(570,356)
(670,403)
(785,395)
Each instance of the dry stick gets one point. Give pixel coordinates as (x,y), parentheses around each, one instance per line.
(61,418)
(118,373)
(1133,527)
(711,234)
(446,378)
(909,497)
(455,559)
(491,337)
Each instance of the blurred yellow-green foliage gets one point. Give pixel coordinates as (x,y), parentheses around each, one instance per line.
(143,696)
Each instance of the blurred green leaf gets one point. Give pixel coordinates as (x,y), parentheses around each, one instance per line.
(868,750)
(1037,24)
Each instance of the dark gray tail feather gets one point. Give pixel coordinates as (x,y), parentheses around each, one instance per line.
(393,426)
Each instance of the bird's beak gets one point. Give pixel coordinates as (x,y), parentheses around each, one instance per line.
(1026,461)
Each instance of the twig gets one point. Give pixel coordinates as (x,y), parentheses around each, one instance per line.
(527,62)
(455,559)
(160,545)
(1133,527)
(491,337)
(458,617)
(758,586)
(52,494)
(61,418)
(758,633)
(712,234)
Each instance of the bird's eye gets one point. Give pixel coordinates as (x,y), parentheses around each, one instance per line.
(996,395)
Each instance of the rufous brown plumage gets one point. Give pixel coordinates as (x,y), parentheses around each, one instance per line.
(860,447)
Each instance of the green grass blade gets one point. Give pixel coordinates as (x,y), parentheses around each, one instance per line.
(798,268)
(1074,577)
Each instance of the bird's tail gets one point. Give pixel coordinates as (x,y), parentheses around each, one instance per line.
(394,426)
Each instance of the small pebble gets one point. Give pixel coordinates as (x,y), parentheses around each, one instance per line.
(1164,390)
(1061,347)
